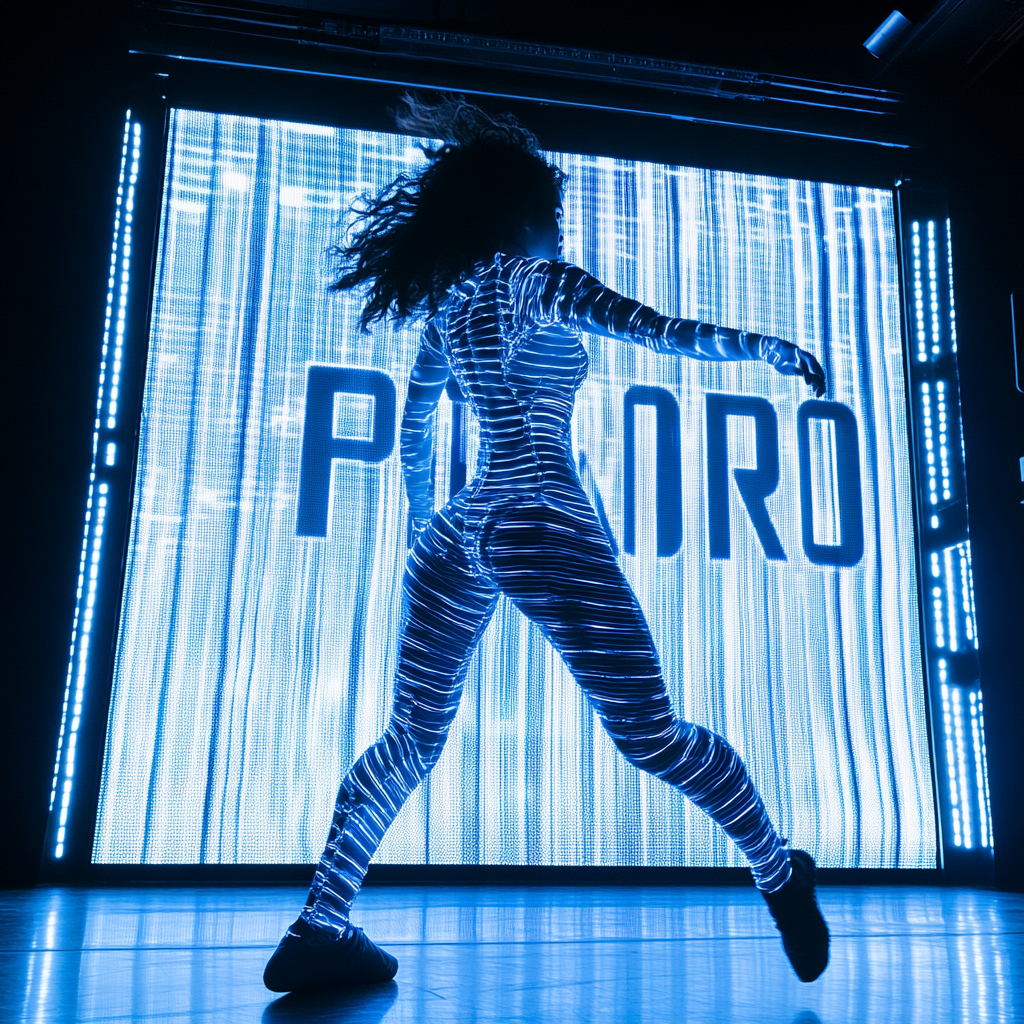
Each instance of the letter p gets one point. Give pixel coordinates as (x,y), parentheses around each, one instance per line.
(321,445)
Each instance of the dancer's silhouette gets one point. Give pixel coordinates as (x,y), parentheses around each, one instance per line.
(474,242)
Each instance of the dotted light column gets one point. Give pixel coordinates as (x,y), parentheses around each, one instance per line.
(961,763)
(99,490)
(922,348)
(951,777)
(940,388)
(940,630)
(967,591)
(933,290)
(981,767)
(952,304)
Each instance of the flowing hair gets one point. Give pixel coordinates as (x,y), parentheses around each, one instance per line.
(425,232)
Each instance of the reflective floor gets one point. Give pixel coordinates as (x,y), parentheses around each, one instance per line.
(553,954)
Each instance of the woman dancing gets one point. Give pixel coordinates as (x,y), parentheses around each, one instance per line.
(473,244)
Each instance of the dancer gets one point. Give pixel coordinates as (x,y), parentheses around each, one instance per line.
(473,243)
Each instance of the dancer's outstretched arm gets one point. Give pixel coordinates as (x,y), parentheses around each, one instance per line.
(426,383)
(550,292)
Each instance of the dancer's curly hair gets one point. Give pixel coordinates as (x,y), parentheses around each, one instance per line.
(425,232)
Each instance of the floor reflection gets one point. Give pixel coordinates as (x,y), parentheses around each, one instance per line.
(613,955)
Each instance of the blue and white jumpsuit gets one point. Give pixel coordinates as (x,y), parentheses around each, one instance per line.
(523,527)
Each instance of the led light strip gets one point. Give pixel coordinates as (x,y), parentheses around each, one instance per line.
(97,498)
(940,631)
(948,731)
(979,770)
(940,387)
(951,602)
(915,235)
(83,661)
(122,304)
(929,441)
(981,760)
(933,288)
(970,584)
(961,761)
(952,306)
(966,597)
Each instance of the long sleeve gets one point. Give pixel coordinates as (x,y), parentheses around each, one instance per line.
(550,292)
(426,383)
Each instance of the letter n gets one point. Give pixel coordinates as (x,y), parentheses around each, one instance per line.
(668,469)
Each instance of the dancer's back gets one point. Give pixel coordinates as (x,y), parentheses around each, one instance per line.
(518,370)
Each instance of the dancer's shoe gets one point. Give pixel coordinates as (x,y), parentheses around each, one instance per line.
(308,959)
(795,909)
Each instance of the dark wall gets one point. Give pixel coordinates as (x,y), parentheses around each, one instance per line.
(980,146)
(67,106)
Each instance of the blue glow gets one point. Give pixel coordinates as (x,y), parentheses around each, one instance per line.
(933,289)
(949,733)
(981,768)
(95,514)
(953,626)
(952,303)
(268,656)
(961,762)
(921,337)
(940,387)
(929,442)
(979,771)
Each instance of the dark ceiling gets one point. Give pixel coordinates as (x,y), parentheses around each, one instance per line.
(950,44)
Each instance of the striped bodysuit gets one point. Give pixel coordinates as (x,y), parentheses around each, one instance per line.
(523,527)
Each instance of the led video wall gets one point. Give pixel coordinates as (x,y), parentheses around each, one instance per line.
(768,536)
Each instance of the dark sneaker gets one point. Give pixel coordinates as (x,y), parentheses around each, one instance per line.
(796,913)
(308,959)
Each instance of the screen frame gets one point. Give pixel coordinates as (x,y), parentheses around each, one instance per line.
(161,84)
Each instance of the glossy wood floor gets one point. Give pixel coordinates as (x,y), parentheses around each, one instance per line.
(610,955)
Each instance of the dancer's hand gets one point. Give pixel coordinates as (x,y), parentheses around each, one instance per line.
(793,361)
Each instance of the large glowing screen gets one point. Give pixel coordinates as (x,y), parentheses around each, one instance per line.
(254,662)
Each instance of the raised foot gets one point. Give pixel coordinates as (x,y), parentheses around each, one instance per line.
(307,959)
(795,909)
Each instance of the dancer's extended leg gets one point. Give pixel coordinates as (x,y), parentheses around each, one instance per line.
(561,573)
(446,609)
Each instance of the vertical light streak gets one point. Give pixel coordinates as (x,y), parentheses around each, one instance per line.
(966,602)
(951,602)
(96,499)
(940,631)
(929,441)
(940,388)
(123,278)
(983,792)
(952,304)
(966,553)
(979,771)
(83,664)
(922,348)
(961,761)
(949,734)
(933,289)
